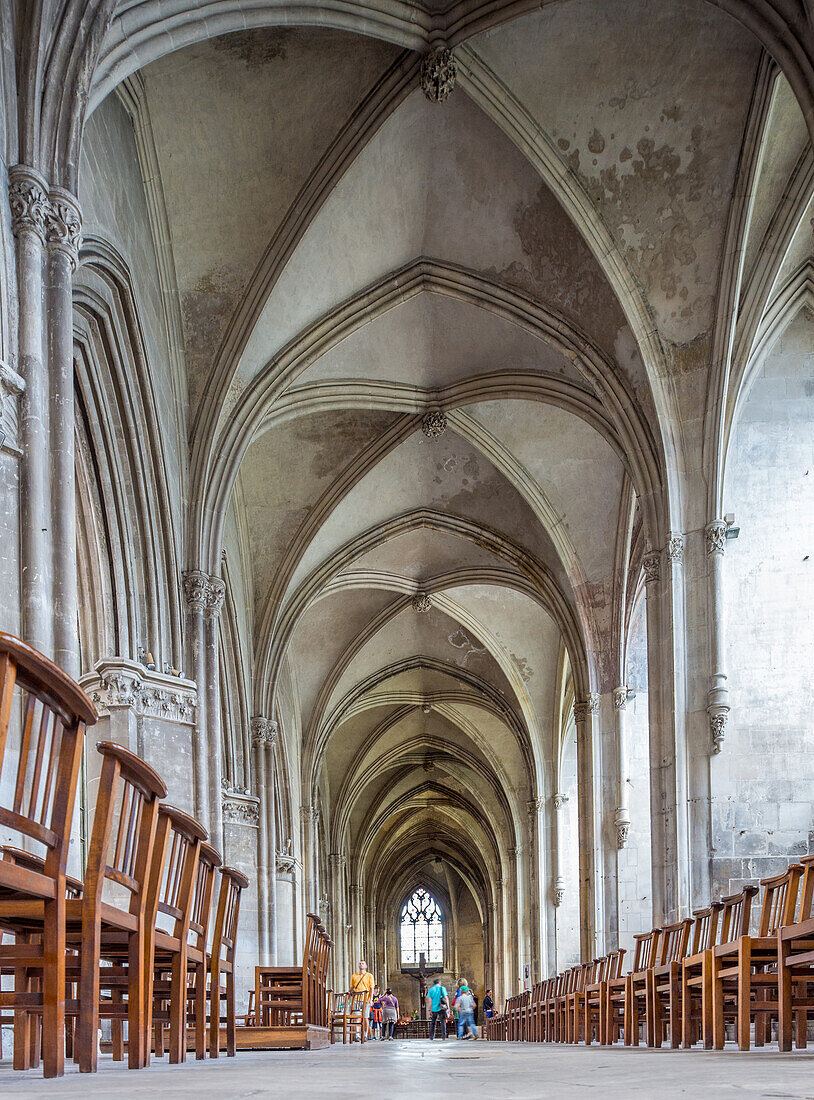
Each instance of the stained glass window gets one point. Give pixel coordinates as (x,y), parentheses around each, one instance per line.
(422,930)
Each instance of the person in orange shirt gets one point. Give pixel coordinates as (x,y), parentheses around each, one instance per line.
(361,981)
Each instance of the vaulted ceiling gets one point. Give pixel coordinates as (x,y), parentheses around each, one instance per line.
(540,257)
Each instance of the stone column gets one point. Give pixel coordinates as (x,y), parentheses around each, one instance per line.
(666,705)
(336,862)
(214,602)
(521,953)
(265,872)
(718,694)
(356,936)
(271,837)
(589,820)
(539,909)
(62,235)
(622,818)
(196,591)
(29,206)
(369,946)
(559,800)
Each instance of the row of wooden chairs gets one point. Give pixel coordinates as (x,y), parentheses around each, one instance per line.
(128,943)
(295,996)
(689,979)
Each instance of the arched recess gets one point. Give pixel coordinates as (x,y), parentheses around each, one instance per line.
(122,455)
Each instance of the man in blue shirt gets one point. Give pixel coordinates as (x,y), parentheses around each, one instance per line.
(438,1001)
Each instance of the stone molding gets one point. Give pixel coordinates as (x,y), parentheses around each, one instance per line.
(438,74)
(63,225)
(240,808)
(11,386)
(203,592)
(421,603)
(264,731)
(651,564)
(434,424)
(715,536)
(116,682)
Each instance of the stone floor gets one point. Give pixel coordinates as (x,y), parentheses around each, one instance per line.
(416,1068)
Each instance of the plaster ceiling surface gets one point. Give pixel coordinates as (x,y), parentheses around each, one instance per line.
(647,103)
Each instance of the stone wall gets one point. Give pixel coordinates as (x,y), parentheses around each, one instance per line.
(763,780)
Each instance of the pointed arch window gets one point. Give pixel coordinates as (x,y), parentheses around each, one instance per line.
(422,930)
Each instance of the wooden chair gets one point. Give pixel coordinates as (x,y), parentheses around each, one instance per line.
(42,782)
(249,1017)
(175,871)
(288,995)
(348,1011)
(222,960)
(796,968)
(595,1010)
(575,1000)
(549,1008)
(747,966)
(117,931)
(665,983)
(696,972)
(197,957)
(637,985)
(571,977)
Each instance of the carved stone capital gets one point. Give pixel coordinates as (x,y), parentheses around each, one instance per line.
(438,74)
(559,891)
(421,603)
(559,800)
(581,712)
(675,549)
(622,824)
(718,717)
(286,862)
(651,564)
(240,808)
(63,225)
(434,424)
(28,199)
(196,586)
(203,592)
(337,859)
(356,889)
(715,536)
(264,732)
(517,851)
(620,698)
(534,806)
(116,682)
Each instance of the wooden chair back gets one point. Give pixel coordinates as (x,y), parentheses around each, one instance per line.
(736,914)
(73,886)
(41,778)
(174,868)
(124,828)
(674,941)
(208,862)
(706,923)
(779,900)
(806,888)
(232,884)
(645,952)
(615,962)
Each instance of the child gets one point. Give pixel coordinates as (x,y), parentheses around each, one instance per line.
(376,1013)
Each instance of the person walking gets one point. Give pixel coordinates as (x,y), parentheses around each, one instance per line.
(390,1013)
(466,1014)
(376,1015)
(488,1005)
(362,982)
(438,1001)
(455,1013)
